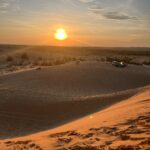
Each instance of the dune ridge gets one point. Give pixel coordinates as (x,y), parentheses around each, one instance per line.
(43,99)
(108,129)
(67,107)
(55,112)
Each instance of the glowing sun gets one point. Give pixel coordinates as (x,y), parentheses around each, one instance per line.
(61,34)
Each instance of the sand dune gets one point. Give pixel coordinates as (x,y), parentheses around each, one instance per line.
(38,100)
(122,126)
(42,99)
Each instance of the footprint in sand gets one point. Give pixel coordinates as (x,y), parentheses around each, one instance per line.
(22,145)
(64,140)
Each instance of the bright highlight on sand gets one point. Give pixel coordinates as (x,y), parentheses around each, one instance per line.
(91,117)
(61,34)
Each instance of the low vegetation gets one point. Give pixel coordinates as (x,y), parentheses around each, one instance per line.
(9,58)
(14,56)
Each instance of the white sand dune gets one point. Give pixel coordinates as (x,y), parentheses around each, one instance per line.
(42,99)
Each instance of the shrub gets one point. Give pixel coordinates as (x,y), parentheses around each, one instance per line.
(39,58)
(24,56)
(110,59)
(18,63)
(124,59)
(146,63)
(74,59)
(59,62)
(136,63)
(35,63)
(81,59)
(102,59)
(9,58)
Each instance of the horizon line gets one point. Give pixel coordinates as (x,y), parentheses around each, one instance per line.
(12,44)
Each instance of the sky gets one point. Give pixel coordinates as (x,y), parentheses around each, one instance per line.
(87,22)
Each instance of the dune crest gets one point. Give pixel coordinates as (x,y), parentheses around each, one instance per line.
(39,100)
(110,129)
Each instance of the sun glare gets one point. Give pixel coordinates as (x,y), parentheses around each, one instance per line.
(61,34)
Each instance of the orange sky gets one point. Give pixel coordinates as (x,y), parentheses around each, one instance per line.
(87,22)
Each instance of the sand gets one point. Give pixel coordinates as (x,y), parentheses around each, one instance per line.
(91,106)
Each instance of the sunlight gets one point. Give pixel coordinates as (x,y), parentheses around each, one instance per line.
(60,34)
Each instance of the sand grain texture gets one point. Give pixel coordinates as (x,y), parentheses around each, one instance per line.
(110,129)
(55,99)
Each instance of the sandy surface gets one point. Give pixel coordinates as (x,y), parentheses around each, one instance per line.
(122,126)
(41,99)
(38,100)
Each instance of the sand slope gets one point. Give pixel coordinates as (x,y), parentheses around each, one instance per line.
(38,100)
(42,99)
(123,126)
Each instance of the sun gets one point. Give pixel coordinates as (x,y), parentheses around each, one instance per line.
(61,34)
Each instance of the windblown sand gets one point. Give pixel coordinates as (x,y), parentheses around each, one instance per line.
(115,107)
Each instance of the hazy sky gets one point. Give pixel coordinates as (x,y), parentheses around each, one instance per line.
(87,22)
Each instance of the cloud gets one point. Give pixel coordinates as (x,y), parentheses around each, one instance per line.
(4,5)
(110,12)
(8,5)
(143,6)
(118,16)
(86,1)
